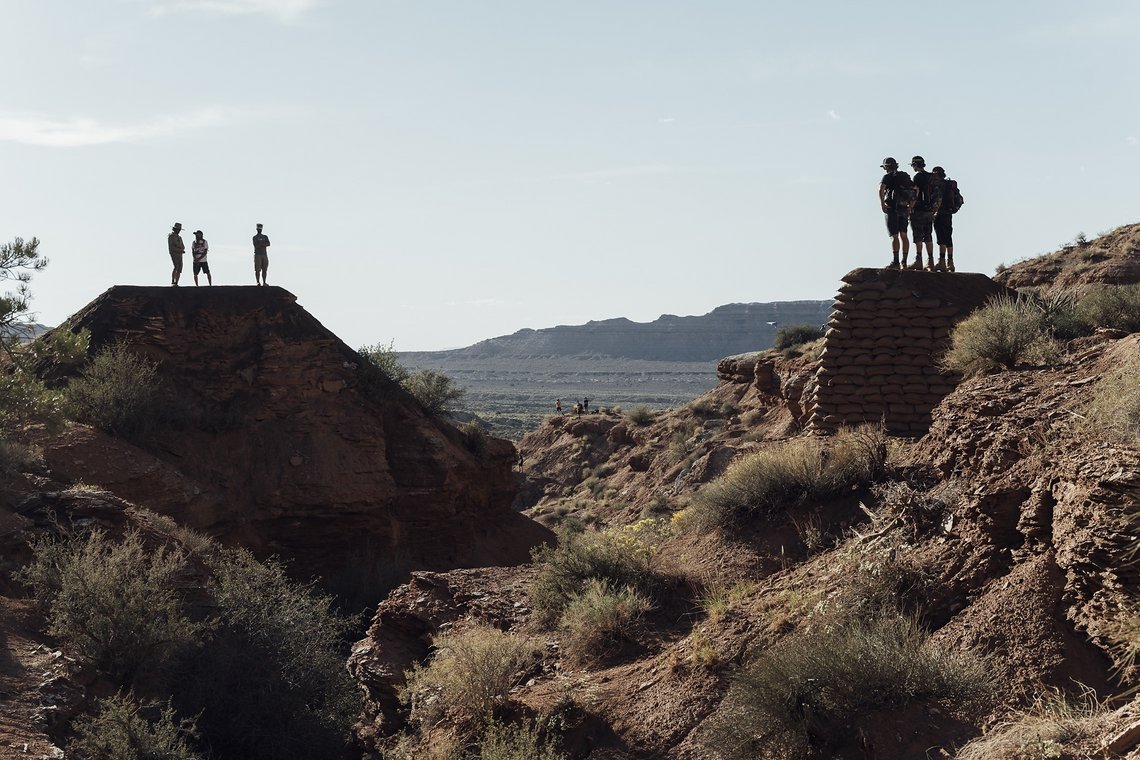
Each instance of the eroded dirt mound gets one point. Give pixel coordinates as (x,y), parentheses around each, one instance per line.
(1109,259)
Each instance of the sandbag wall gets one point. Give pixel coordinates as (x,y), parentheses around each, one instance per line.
(887,333)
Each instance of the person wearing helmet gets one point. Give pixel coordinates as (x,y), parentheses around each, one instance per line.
(896,196)
(944,220)
(925,208)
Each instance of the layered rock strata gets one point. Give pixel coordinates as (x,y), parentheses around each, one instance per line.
(887,333)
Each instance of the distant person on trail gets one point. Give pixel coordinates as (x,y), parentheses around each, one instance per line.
(578,408)
(177,249)
(558,406)
(586,405)
(925,207)
(896,197)
(260,258)
(200,248)
(944,221)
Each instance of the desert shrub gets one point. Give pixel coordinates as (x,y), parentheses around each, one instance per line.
(436,392)
(1113,306)
(273,662)
(899,505)
(117,392)
(1113,411)
(702,407)
(791,473)
(121,729)
(1006,332)
(113,604)
(18,457)
(516,741)
(718,598)
(383,358)
(474,437)
(641,415)
(599,619)
(727,409)
(882,583)
(806,693)
(1041,732)
(470,673)
(25,399)
(619,558)
(795,335)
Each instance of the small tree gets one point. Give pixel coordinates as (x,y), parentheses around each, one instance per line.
(384,359)
(436,392)
(18,260)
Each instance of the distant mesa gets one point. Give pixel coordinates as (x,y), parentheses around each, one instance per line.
(724,331)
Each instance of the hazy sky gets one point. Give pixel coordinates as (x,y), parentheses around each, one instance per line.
(436,173)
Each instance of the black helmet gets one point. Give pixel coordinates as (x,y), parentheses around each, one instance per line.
(888,161)
(918,161)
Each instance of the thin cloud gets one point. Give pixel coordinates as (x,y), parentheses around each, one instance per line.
(668,120)
(282,10)
(833,115)
(1131,140)
(79,132)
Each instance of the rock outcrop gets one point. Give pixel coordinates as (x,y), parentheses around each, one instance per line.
(279,440)
(888,331)
(1110,259)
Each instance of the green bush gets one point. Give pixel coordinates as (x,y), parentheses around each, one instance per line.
(599,619)
(617,558)
(113,604)
(436,392)
(1113,411)
(383,358)
(641,415)
(121,730)
(470,674)
(25,399)
(796,335)
(792,473)
(1112,306)
(512,741)
(270,682)
(117,392)
(808,693)
(1006,332)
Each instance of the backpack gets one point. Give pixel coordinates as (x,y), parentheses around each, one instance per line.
(904,193)
(952,200)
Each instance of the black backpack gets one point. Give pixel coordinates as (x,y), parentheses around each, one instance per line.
(952,199)
(901,190)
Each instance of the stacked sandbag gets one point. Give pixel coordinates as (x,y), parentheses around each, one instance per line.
(887,334)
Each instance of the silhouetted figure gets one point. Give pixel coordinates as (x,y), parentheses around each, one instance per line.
(586,405)
(260,258)
(200,249)
(925,207)
(578,408)
(177,250)
(896,197)
(944,220)
(558,406)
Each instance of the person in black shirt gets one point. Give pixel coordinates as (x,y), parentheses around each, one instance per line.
(895,198)
(944,223)
(925,208)
(260,257)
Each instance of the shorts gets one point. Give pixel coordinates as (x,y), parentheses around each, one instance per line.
(896,222)
(177,259)
(944,228)
(260,262)
(922,225)
(201,266)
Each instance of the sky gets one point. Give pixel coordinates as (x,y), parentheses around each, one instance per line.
(437,172)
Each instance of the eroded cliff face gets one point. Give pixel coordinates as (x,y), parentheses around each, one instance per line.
(279,442)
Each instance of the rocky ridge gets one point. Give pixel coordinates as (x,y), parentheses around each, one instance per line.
(1028,566)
